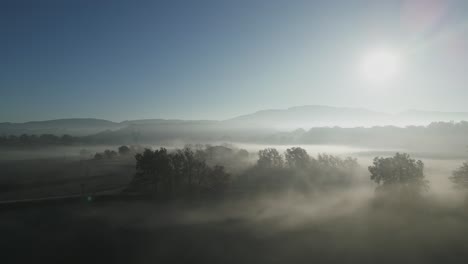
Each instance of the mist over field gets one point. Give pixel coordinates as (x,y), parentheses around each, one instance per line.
(208,191)
(215,131)
(185,191)
(315,204)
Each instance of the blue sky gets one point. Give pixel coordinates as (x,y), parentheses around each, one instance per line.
(216,59)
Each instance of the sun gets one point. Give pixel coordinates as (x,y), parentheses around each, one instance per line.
(380,65)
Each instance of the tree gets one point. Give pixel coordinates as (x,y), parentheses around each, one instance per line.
(188,167)
(98,156)
(399,173)
(124,150)
(110,154)
(47,139)
(24,139)
(333,170)
(178,167)
(215,180)
(145,175)
(153,168)
(270,158)
(179,172)
(297,157)
(460,176)
(242,154)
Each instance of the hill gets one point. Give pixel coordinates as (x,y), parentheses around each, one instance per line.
(289,119)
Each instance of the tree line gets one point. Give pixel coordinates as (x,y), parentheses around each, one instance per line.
(296,169)
(178,173)
(26,140)
(211,168)
(122,151)
(448,136)
(190,171)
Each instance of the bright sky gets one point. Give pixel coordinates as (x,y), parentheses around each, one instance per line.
(218,59)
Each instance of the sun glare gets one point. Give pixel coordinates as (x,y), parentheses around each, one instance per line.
(380,66)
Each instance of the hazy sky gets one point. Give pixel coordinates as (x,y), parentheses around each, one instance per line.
(217,59)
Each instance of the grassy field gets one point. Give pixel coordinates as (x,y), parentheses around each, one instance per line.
(345,228)
(37,178)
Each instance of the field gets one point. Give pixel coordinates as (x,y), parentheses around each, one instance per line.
(346,226)
(345,229)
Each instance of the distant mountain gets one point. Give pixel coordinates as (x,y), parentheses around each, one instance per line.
(289,119)
(90,126)
(426,117)
(310,116)
(72,126)
(164,122)
(326,116)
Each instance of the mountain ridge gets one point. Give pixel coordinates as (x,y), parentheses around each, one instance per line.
(305,116)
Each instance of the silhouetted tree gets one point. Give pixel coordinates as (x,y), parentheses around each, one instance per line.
(48,139)
(243,154)
(124,150)
(297,157)
(110,154)
(179,172)
(215,180)
(460,176)
(188,167)
(302,173)
(399,173)
(98,156)
(147,175)
(334,171)
(24,139)
(270,158)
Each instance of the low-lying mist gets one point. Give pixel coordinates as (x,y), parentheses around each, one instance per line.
(234,203)
(342,226)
